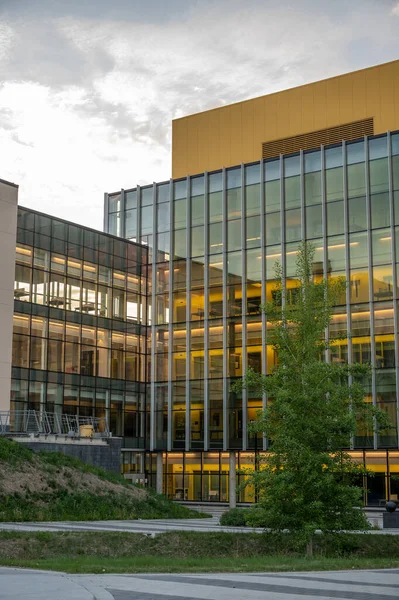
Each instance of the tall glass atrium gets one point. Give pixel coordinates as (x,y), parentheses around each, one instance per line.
(213,241)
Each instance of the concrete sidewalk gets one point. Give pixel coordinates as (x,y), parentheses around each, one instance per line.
(149,527)
(19,584)
(23,584)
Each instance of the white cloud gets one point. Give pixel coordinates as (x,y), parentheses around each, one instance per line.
(89,110)
(395,10)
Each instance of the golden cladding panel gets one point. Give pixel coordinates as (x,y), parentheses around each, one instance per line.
(232,134)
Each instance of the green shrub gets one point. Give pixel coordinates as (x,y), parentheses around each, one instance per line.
(257,517)
(236,517)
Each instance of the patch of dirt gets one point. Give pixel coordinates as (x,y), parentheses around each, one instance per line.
(38,478)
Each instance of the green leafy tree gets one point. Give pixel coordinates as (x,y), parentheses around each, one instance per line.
(307,481)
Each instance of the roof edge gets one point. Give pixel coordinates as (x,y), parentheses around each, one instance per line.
(287,90)
(9,183)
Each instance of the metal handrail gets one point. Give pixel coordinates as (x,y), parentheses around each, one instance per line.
(14,422)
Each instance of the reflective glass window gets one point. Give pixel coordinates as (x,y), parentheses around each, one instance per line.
(38,353)
(334,184)
(40,287)
(180,189)
(234,235)
(313,188)
(55,355)
(253,232)
(197,241)
(333,157)
(234,266)
(197,186)
(357,214)
(234,203)
(292,191)
(254,266)
(146,220)
(114,203)
(336,256)
(355,152)
(163,217)
(114,224)
(395,143)
(216,270)
(197,210)
(292,225)
(215,238)
(163,246)
(163,192)
(252,200)
(360,317)
(131,199)
(273,228)
(380,210)
(215,206)
(358,249)
(382,282)
(180,213)
(356,180)
(215,182)
(378,148)
(131,223)
(272,170)
(382,244)
(233,178)
(359,285)
(179,243)
(252,174)
(312,161)
(379,175)
(273,256)
(314,221)
(335,218)
(147,195)
(272,195)
(292,166)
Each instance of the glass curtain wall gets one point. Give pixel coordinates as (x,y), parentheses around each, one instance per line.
(227,230)
(80,324)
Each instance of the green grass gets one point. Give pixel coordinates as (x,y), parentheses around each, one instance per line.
(97,552)
(13,453)
(57,499)
(64,505)
(153,564)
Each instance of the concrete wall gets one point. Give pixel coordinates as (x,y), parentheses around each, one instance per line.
(233,134)
(8,229)
(103,454)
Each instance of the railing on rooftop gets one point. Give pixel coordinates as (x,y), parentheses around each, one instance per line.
(26,422)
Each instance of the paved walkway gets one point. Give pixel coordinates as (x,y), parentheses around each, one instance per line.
(18,584)
(149,527)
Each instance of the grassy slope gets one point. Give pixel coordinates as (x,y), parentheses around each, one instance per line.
(193,552)
(54,487)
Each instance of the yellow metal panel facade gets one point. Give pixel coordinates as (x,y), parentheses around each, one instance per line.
(232,134)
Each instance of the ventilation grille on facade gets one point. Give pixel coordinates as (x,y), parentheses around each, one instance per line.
(306,141)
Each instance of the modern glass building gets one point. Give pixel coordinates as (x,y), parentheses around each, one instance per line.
(79,336)
(214,239)
(151,323)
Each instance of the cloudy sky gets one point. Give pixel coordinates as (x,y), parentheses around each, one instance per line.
(88,88)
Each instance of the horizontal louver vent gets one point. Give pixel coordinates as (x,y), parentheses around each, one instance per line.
(306,141)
